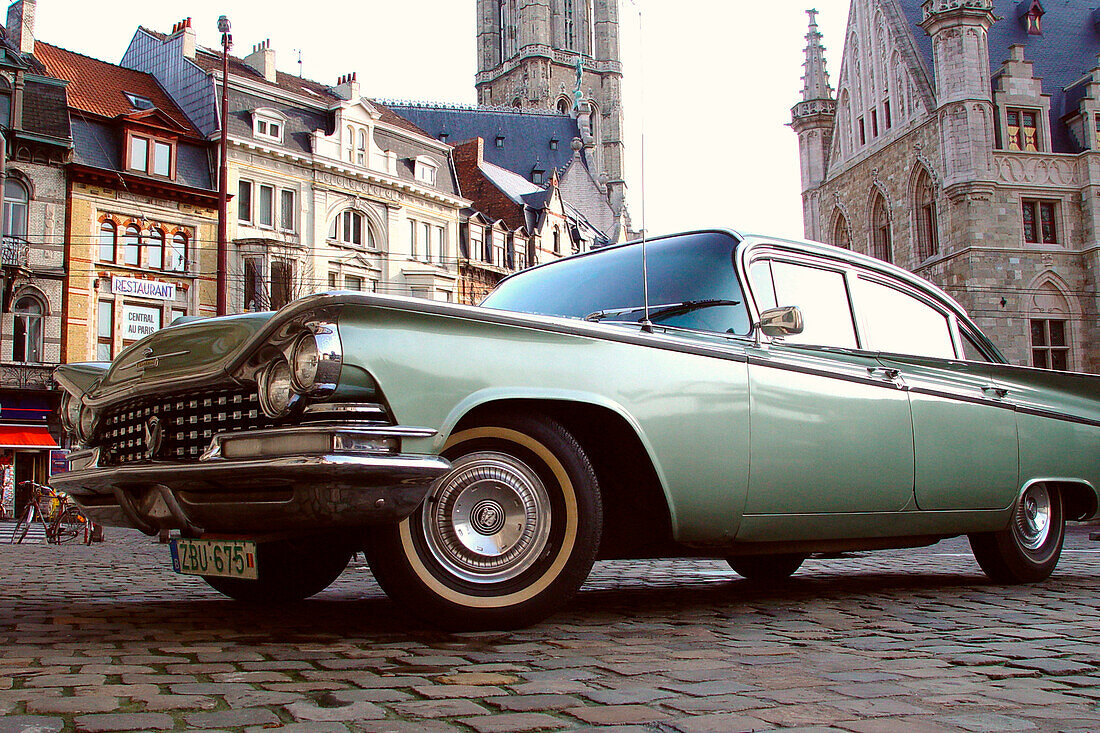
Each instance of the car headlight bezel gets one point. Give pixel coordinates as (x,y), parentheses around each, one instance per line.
(305,363)
(70,411)
(276,388)
(316,359)
(86,425)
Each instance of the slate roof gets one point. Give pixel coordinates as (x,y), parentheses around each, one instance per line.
(527,133)
(100,88)
(1065,52)
(44,109)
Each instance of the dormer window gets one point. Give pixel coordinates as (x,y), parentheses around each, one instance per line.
(553,143)
(500,141)
(268,124)
(425,170)
(146,154)
(139,102)
(1031,15)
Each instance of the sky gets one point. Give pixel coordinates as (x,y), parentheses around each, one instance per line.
(709,82)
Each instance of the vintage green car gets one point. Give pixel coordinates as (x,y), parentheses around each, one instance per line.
(709,394)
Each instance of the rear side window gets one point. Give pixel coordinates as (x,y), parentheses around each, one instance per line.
(898,323)
(822,296)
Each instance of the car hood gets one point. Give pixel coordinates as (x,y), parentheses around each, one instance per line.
(196,348)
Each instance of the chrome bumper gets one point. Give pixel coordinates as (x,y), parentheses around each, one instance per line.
(258,495)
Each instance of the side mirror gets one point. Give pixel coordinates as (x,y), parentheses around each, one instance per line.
(785,321)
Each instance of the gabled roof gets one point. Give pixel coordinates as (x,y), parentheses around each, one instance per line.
(210,61)
(1065,52)
(527,134)
(100,88)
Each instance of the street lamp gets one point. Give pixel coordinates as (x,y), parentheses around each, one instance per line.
(223,173)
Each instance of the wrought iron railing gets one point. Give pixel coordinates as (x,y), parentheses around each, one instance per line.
(14,252)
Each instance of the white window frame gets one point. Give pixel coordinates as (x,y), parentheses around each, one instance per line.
(262,122)
(259,213)
(426,170)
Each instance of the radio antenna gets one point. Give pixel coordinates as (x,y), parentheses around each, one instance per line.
(647,326)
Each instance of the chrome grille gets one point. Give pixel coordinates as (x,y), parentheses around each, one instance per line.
(187,422)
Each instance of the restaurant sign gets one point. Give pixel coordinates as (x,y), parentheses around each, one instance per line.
(143,288)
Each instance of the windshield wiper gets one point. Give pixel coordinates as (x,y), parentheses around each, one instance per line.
(664,309)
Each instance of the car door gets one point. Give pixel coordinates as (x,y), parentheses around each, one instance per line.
(831,430)
(964,431)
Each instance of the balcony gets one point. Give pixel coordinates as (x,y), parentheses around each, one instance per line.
(14,252)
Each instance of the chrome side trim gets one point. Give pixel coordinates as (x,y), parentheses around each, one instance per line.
(344,408)
(215,451)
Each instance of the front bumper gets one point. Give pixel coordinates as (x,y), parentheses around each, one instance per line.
(276,493)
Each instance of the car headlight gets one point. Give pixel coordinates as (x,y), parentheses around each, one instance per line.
(276,389)
(70,411)
(305,360)
(86,425)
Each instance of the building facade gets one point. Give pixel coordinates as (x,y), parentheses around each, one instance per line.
(962,144)
(560,55)
(142,208)
(330,189)
(37,144)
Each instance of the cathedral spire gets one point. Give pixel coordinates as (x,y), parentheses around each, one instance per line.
(815,82)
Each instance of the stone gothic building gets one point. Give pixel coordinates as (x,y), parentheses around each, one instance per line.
(559,55)
(963,143)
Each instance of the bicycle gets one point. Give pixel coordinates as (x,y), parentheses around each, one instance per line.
(62,520)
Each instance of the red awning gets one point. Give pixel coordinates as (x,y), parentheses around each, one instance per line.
(25,436)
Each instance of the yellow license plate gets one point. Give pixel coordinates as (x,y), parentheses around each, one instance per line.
(221,558)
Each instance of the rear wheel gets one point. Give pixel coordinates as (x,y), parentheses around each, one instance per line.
(1028,550)
(505,538)
(69,526)
(288,570)
(765,567)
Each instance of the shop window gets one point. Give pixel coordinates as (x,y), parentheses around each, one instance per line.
(27,331)
(105,331)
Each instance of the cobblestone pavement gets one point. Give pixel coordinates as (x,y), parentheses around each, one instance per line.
(107,638)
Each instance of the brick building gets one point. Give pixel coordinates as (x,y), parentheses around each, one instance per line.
(37,142)
(962,143)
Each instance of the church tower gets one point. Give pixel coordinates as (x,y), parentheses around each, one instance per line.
(812,119)
(538,54)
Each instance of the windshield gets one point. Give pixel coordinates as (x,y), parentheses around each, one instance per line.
(692,284)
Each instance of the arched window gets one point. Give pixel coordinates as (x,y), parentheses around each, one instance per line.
(27,331)
(131,246)
(108,237)
(361,148)
(350,227)
(154,250)
(557,241)
(350,142)
(5,102)
(928,237)
(842,236)
(563,106)
(176,259)
(15,209)
(880,229)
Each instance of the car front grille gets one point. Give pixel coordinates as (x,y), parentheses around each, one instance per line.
(184,422)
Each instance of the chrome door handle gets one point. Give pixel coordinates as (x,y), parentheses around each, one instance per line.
(884,372)
(993,391)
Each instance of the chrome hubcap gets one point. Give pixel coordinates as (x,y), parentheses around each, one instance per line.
(1033,515)
(488,520)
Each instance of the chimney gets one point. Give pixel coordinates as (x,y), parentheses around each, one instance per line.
(262,59)
(347,87)
(184,30)
(21,25)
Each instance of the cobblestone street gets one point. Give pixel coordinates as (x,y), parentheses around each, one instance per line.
(107,638)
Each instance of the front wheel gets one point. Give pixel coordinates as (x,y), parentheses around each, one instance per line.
(289,570)
(1028,550)
(23,526)
(505,538)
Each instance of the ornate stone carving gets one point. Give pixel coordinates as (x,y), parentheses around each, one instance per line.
(1036,170)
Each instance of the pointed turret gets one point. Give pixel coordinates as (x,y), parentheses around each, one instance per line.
(813,119)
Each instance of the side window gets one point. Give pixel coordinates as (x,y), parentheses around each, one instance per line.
(893,321)
(822,297)
(971,350)
(760,280)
